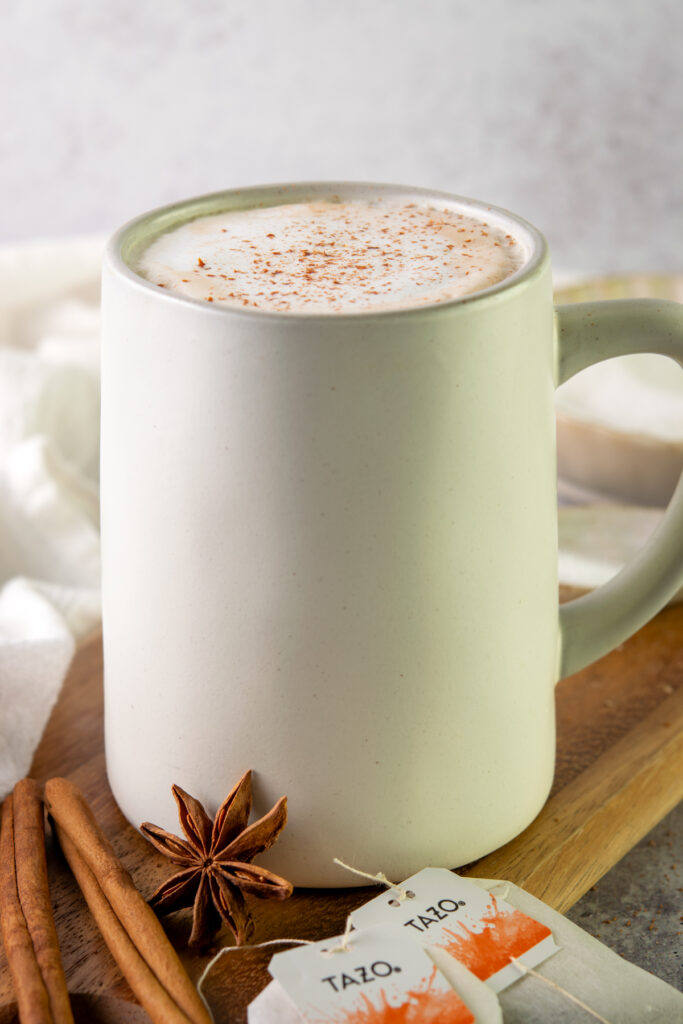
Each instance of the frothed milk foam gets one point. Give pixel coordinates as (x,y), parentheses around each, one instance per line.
(334,255)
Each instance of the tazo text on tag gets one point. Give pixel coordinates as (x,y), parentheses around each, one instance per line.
(380,976)
(470,924)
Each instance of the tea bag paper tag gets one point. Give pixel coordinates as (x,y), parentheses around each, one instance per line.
(467,923)
(380,974)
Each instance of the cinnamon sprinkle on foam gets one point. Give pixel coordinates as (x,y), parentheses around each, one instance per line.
(332,256)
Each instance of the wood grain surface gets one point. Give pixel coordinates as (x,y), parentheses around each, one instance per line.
(619,771)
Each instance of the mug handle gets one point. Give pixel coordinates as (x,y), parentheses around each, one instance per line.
(592,625)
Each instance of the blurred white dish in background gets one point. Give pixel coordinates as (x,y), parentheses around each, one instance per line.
(620,422)
(596,541)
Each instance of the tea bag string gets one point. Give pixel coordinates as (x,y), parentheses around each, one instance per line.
(342,947)
(558,988)
(403,894)
(235,949)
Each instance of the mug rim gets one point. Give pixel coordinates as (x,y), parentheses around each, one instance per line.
(133,237)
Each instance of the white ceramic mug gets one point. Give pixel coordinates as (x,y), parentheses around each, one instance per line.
(330,554)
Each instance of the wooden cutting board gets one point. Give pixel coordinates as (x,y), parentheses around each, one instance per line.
(619,771)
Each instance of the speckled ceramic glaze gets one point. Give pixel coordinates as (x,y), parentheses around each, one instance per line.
(330,554)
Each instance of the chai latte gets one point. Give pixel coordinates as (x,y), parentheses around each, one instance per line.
(334,255)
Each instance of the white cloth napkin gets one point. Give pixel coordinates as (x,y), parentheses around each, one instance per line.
(49,494)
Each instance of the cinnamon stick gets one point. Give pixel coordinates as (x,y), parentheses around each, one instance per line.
(146,987)
(123,916)
(34,894)
(33,999)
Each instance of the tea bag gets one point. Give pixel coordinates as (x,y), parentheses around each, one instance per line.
(582,966)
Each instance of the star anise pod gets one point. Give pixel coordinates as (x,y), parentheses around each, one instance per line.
(216,862)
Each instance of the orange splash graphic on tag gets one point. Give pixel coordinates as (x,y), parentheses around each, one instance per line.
(505,933)
(424,1005)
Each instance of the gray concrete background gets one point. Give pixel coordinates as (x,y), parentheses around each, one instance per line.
(567,113)
(637,908)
